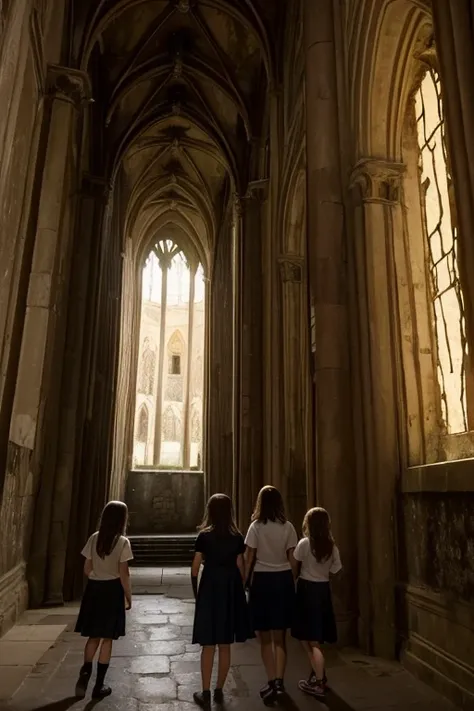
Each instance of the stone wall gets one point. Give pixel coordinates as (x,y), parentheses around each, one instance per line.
(436,565)
(164,502)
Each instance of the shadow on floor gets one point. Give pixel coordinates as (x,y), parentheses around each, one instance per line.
(332,702)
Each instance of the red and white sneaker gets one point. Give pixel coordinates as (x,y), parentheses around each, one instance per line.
(312,689)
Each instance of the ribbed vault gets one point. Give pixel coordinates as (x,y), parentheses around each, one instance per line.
(181,87)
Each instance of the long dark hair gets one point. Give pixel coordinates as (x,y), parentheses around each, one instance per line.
(219,516)
(269,506)
(317,527)
(113,523)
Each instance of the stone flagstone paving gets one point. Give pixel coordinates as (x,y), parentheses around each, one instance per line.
(156,668)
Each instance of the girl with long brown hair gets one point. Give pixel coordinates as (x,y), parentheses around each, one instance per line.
(314,623)
(107,595)
(270,541)
(221,616)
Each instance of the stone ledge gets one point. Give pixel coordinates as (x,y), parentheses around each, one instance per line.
(454,476)
(434,668)
(13,596)
(445,606)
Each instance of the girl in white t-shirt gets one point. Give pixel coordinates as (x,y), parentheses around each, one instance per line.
(314,622)
(270,541)
(107,595)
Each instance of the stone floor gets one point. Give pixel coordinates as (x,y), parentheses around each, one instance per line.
(155,668)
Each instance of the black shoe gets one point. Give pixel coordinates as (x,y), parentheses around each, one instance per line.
(82,683)
(202,699)
(268,690)
(218,696)
(100,692)
(279,687)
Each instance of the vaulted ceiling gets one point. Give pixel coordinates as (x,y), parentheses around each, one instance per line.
(182,87)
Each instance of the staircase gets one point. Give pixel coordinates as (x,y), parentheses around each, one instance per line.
(163,550)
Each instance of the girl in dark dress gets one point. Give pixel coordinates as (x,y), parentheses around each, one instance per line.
(107,595)
(221,616)
(314,622)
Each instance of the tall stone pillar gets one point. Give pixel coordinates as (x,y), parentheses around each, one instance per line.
(377,214)
(236,345)
(94,194)
(297,387)
(250,474)
(161,363)
(189,364)
(35,419)
(335,477)
(220,382)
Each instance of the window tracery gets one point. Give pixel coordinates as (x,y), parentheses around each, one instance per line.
(442,247)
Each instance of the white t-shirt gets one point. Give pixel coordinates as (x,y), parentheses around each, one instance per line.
(311,569)
(107,568)
(272,540)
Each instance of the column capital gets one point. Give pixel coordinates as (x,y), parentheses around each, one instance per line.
(95,187)
(257,190)
(68,84)
(291,268)
(378,180)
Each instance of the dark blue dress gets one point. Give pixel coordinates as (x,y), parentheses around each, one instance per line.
(222,614)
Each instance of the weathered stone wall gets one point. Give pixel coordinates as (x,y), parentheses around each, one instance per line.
(436,570)
(164,502)
(23,144)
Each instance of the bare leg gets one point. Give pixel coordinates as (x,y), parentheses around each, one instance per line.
(317,660)
(90,649)
(279,641)
(207,661)
(268,657)
(105,651)
(224,665)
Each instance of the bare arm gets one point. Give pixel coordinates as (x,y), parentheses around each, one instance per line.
(295,565)
(241,566)
(87,567)
(250,554)
(195,567)
(126,583)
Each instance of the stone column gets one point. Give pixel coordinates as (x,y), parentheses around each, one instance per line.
(454,34)
(250,473)
(297,385)
(335,477)
(189,363)
(236,340)
(66,487)
(375,185)
(36,406)
(219,472)
(161,363)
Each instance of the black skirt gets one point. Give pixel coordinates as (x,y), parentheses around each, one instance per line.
(222,614)
(314,614)
(272,600)
(102,613)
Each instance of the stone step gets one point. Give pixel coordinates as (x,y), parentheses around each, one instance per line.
(159,550)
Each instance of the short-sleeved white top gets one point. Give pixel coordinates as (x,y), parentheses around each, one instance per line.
(272,540)
(107,568)
(311,569)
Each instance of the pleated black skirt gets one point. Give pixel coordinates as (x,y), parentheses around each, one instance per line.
(102,612)
(272,601)
(222,614)
(314,619)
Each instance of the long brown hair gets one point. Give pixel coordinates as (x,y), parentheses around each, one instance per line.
(269,506)
(219,516)
(317,527)
(113,524)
